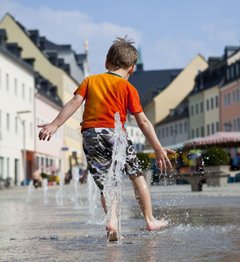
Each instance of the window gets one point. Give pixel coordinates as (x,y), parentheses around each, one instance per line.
(228,74)
(237,68)
(197,132)
(185,127)
(16,124)
(180,128)
(238,95)
(167,131)
(0,78)
(201,107)
(8,167)
(207,104)
(1,166)
(192,110)
(30,95)
(208,129)
(15,86)
(233,96)
(225,100)
(234,124)
(217,126)
(23,91)
(216,101)
(175,130)
(7,82)
(232,71)
(238,124)
(202,131)
(196,109)
(212,103)
(163,132)
(8,122)
(228,99)
(192,133)
(213,128)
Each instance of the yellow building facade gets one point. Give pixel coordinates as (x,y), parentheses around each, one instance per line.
(175,92)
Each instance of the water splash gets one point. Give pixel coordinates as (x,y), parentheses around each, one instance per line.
(113,180)
(75,181)
(60,192)
(45,191)
(29,193)
(92,197)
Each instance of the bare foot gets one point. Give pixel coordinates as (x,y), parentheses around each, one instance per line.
(112,231)
(155,224)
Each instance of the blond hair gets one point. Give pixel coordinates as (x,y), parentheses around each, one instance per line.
(122,54)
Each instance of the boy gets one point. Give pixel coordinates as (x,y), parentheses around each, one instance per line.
(104,95)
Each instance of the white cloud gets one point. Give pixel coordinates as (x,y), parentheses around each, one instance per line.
(177,50)
(71,27)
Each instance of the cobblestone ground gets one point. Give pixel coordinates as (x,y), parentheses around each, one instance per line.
(204,226)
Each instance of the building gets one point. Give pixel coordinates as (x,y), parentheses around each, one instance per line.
(213,103)
(135,134)
(75,64)
(48,154)
(174,129)
(16,113)
(163,90)
(230,92)
(57,72)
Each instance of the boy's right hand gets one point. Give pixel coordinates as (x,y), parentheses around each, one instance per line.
(47,131)
(162,161)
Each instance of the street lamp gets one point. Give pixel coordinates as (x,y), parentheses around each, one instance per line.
(24,143)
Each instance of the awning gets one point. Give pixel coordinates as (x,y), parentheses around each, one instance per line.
(219,138)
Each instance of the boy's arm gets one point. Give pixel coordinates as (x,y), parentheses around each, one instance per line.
(48,130)
(145,125)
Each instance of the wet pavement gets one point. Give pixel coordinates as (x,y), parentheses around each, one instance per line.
(204,226)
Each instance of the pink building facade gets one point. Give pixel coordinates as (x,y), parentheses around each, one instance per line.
(230,99)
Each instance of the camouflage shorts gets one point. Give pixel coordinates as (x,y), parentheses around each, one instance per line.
(98,146)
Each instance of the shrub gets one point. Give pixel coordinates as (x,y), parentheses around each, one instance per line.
(215,156)
(44,175)
(145,160)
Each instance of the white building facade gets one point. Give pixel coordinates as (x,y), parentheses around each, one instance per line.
(16,116)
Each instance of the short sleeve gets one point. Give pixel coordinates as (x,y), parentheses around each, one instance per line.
(82,89)
(134,104)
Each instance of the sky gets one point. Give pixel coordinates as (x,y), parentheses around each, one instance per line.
(170,33)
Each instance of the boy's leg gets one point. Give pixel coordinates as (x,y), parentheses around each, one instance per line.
(112,221)
(143,196)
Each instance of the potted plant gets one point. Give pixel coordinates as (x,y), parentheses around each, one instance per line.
(216,159)
(216,166)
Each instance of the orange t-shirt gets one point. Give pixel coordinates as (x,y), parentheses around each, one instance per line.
(105,94)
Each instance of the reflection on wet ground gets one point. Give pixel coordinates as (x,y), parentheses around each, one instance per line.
(204,226)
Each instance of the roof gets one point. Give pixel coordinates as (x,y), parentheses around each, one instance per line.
(150,83)
(178,113)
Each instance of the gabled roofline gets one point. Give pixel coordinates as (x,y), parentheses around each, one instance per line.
(22,28)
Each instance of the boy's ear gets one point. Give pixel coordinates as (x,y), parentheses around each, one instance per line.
(106,64)
(131,69)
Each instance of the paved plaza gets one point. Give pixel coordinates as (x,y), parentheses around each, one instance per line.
(204,226)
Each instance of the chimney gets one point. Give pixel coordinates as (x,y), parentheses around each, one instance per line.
(34,35)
